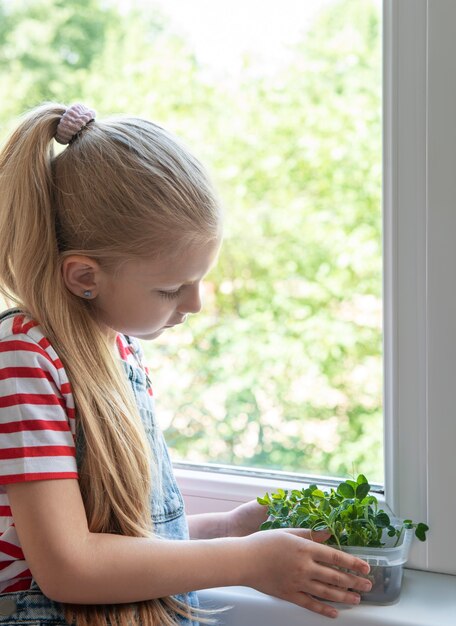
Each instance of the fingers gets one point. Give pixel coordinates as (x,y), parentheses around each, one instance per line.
(337,558)
(306,601)
(319,535)
(320,591)
(338,578)
(314,573)
(331,555)
(334,594)
(307,533)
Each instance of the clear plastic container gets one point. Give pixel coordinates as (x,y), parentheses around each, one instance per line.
(386,565)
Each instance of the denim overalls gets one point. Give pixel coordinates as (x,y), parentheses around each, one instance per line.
(167,509)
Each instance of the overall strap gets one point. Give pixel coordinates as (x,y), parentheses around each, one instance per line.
(9,313)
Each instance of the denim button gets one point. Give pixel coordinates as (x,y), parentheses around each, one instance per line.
(7,606)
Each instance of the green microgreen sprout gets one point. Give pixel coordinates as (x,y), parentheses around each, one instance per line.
(349,513)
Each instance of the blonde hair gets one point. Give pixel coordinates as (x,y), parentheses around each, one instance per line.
(124,189)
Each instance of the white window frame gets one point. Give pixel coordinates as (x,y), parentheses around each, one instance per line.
(419,209)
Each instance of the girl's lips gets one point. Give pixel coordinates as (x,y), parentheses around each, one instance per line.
(176,323)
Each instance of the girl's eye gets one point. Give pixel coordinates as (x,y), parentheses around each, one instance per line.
(170,294)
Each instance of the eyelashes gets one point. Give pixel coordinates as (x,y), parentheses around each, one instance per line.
(170,295)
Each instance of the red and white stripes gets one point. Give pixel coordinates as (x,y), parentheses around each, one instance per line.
(37,427)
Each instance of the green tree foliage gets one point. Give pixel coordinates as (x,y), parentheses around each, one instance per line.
(48,47)
(283,368)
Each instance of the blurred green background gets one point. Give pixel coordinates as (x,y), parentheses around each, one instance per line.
(283,368)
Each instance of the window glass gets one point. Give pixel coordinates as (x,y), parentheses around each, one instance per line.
(283,368)
(282,101)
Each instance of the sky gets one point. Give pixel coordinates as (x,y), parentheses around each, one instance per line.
(221,32)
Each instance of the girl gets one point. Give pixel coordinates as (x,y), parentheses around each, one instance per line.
(100,245)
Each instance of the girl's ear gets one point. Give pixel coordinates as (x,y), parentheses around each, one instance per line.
(81,273)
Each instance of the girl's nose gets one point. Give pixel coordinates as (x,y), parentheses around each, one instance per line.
(192,301)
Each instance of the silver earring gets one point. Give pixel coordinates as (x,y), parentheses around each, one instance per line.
(87,293)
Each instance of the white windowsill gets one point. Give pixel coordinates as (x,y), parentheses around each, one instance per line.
(426,599)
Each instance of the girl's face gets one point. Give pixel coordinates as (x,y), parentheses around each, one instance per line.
(146,297)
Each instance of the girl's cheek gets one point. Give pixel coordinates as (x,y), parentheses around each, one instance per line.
(162,310)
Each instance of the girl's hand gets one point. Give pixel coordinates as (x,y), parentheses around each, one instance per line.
(245,519)
(290,564)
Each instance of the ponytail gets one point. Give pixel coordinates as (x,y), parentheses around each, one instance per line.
(28,246)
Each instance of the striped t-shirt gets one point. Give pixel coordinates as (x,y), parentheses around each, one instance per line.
(37,425)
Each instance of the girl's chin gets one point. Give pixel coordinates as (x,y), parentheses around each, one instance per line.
(153,335)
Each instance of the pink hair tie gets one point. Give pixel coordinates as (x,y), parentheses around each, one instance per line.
(72,122)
